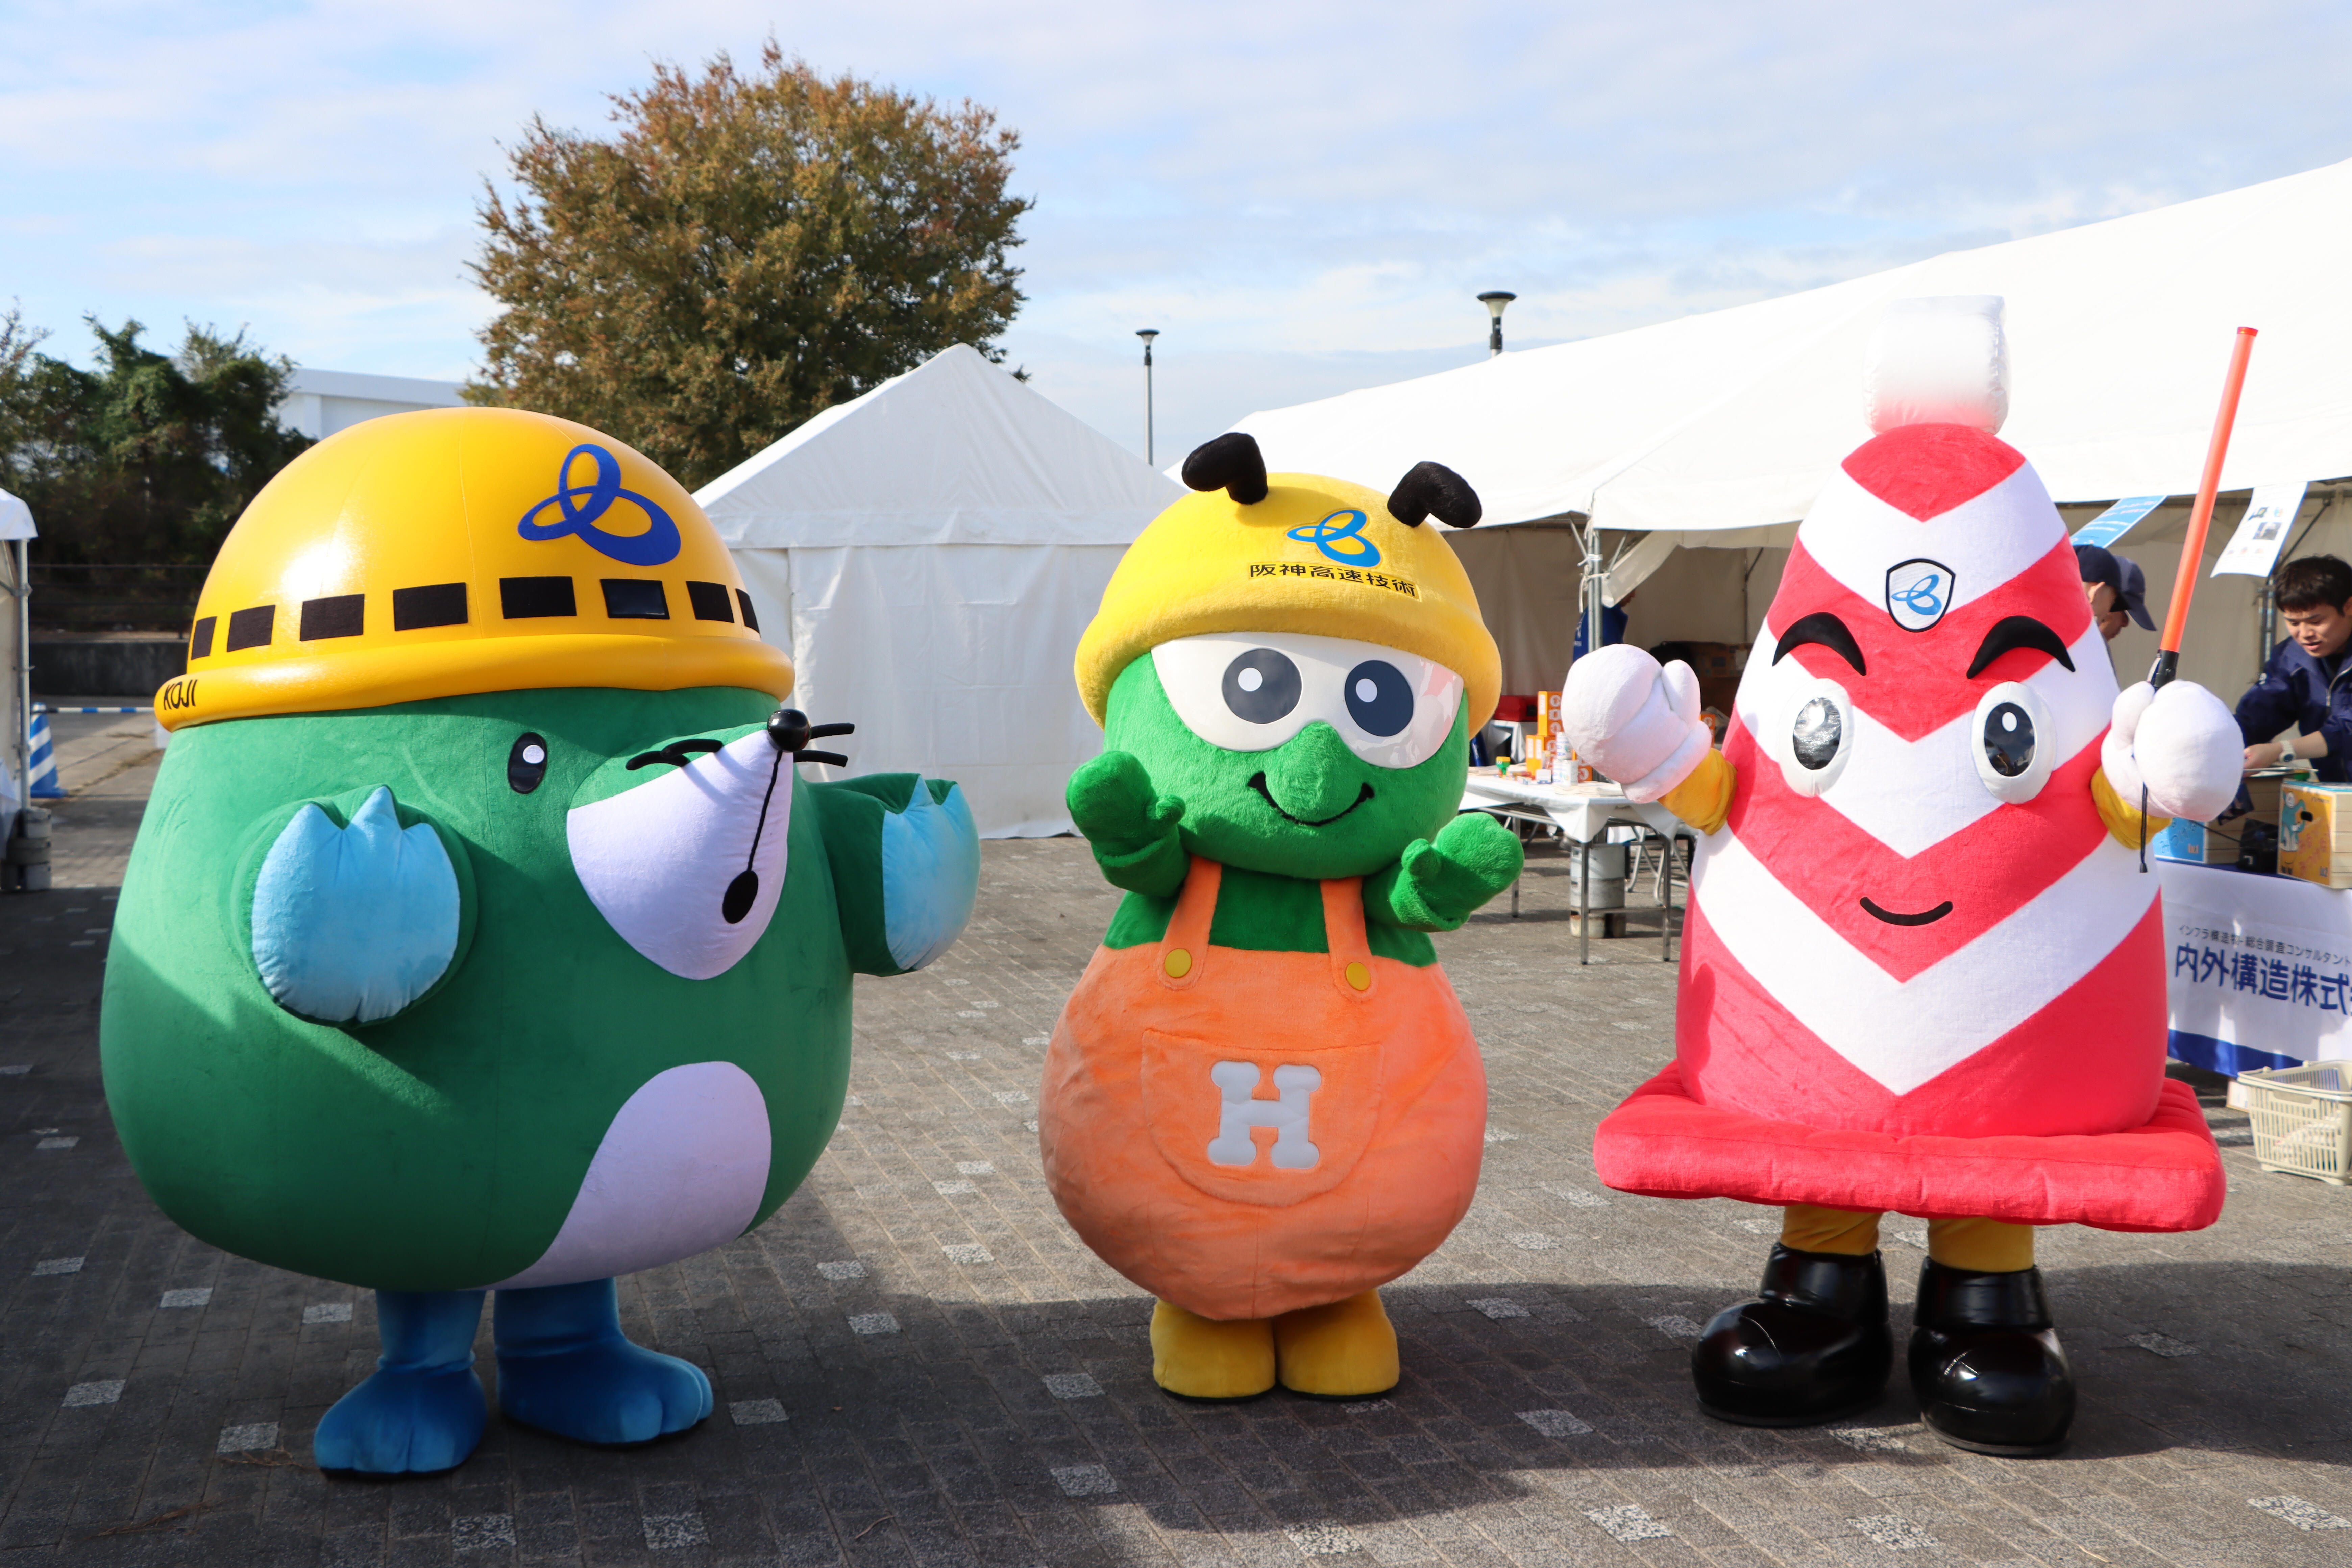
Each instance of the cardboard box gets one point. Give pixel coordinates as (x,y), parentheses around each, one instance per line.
(1719,660)
(2197,843)
(2316,832)
(2180,841)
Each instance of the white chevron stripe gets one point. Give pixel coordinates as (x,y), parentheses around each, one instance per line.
(1911,795)
(1902,1034)
(1855,537)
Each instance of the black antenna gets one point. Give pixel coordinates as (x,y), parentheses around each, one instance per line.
(1231,463)
(1433,489)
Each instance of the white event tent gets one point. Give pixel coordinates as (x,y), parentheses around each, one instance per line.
(1718,429)
(930,552)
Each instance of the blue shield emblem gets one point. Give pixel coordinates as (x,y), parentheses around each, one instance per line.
(1918,591)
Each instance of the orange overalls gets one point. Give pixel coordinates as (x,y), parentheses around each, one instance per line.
(1247,1134)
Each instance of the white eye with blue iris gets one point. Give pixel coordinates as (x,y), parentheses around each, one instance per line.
(1253,691)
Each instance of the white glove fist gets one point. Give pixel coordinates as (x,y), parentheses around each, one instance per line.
(2180,742)
(1634,721)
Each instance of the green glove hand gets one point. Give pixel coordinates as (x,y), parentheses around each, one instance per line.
(1130,826)
(1439,885)
(1114,805)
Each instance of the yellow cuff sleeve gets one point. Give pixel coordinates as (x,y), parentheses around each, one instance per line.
(1704,799)
(2123,818)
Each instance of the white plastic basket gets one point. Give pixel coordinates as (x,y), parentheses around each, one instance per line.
(2302,1117)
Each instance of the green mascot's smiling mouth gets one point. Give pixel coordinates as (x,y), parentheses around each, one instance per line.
(1257,783)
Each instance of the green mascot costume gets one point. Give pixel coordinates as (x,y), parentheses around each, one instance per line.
(1263,1101)
(480,934)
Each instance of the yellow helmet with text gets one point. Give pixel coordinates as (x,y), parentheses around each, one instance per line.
(1251,551)
(456,550)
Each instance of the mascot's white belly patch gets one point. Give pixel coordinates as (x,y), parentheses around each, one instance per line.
(681,1171)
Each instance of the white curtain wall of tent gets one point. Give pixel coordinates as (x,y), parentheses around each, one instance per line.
(930,552)
(16,533)
(1718,429)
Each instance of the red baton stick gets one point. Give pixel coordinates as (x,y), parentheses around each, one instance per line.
(2200,516)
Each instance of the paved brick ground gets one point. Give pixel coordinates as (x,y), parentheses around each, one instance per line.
(917,1364)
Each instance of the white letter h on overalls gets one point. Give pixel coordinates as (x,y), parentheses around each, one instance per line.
(1233,1145)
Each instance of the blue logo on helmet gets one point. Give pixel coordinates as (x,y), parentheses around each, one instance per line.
(1330,533)
(582,505)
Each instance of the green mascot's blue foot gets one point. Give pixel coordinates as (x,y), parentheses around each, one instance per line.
(422,1411)
(565,1367)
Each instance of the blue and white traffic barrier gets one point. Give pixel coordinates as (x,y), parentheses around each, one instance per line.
(46,708)
(44,761)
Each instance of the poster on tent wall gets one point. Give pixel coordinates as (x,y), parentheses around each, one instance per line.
(2117,520)
(2262,532)
(2261,968)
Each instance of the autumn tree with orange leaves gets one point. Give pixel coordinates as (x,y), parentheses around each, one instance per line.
(746,250)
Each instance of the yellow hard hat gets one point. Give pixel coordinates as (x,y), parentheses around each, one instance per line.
(1296,552)
(466,550)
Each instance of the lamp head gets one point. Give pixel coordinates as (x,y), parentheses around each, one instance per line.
(1146,335)
(1495,300)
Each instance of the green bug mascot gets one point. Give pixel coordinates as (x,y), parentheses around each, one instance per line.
(1264,1102)
(480,934)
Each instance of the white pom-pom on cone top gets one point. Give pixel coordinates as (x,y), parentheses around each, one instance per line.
(1937,360)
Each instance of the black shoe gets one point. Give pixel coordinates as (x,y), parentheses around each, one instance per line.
(1813,1346)
(1987,1365)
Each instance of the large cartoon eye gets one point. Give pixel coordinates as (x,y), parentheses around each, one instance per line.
(1816,735)
(2010,740)
(527,764)
(683,855)
(1255,691)
(1261,686)
(1379,699)
(1812,743)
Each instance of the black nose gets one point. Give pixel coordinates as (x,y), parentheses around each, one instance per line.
(788,728)
(790,732)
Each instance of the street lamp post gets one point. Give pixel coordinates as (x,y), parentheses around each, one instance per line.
(1146,335)
(1495,300)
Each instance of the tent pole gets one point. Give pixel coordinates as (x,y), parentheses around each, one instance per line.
(21,754)
(1594,575)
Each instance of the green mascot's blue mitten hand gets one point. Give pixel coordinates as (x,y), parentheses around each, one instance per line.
(1436,887)
(352,924)
(906,867)
(1130,826)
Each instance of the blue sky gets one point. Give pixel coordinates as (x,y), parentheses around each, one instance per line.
(1304,197)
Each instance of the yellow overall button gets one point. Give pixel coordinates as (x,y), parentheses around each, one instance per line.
(1179,963)
(1359,977)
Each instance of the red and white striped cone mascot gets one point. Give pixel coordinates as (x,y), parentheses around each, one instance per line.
(1924,968)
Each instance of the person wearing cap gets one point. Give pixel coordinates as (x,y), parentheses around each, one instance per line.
(480,936)
(1263,1100)
(2304,689)
(2117,589)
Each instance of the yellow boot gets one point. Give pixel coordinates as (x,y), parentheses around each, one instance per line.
(1201,1358)
(1344,1350)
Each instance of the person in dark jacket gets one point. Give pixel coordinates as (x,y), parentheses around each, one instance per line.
(2308,681)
